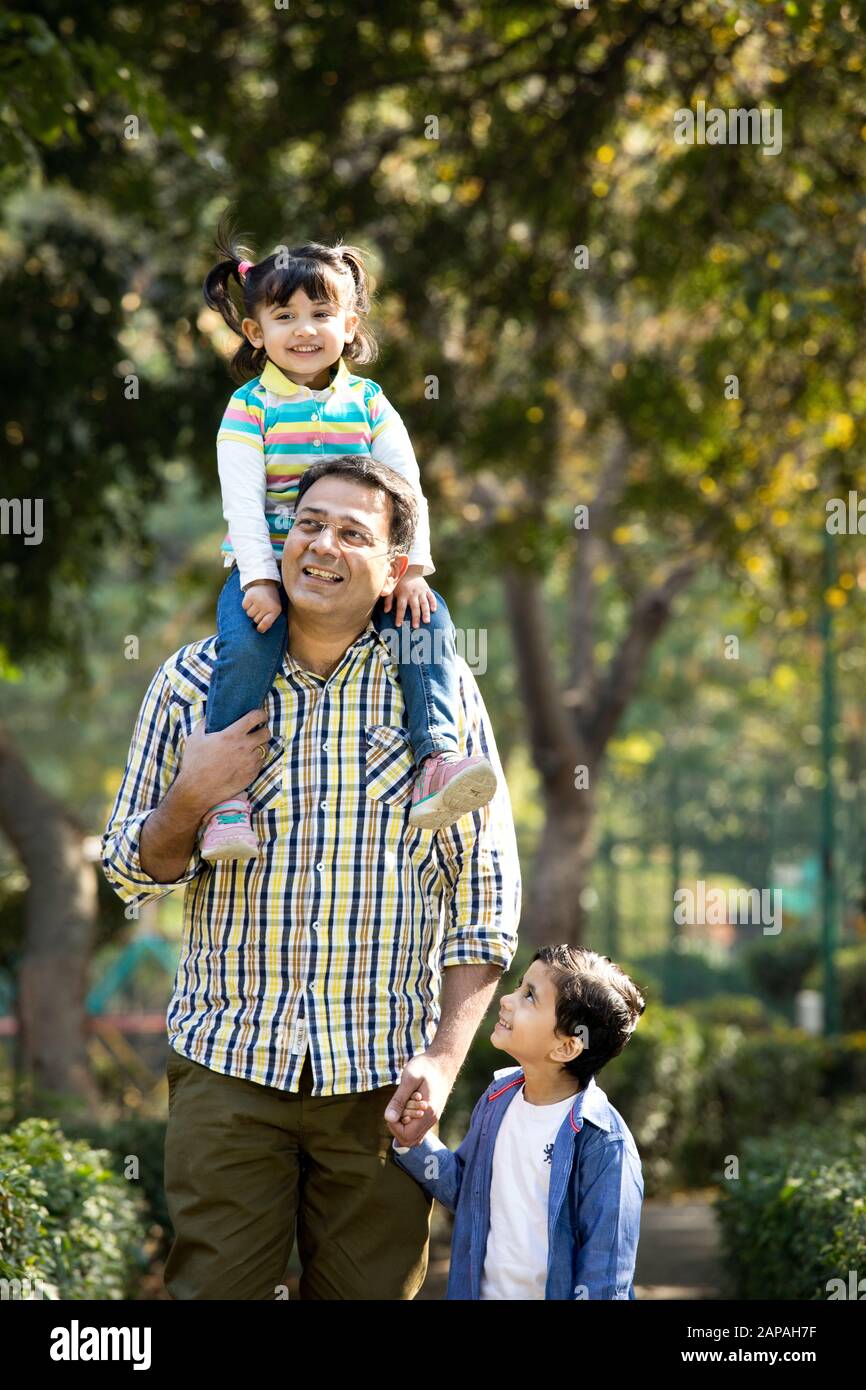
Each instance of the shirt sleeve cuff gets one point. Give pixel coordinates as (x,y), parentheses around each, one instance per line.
(466,948)
(121,863)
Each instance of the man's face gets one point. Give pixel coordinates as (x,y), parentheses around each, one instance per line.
(328,577)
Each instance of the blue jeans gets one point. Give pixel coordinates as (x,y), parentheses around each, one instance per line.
(248,662)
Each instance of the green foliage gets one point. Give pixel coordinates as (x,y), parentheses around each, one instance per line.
(741,1011)
(778,966)
(749,1084)
(141,1137)
(795,1217)
(66,1220)
(680,977)
(851,983)
(653,1084)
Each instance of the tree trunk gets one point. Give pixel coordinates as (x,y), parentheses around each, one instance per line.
(560,873)
(59,936)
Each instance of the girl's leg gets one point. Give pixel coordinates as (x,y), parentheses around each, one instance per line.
(427,658)
(449,784)
(247,662)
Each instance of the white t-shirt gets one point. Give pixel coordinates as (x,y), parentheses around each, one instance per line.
(515,1263)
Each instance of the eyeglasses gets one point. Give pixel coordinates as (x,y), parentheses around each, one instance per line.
(349,536)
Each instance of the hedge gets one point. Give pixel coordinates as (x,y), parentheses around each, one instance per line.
(69,1225)
(795,1216)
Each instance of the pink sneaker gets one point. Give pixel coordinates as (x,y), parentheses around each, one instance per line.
(226,832)
(448,787)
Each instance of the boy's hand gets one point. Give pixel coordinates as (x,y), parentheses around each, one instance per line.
(262,602)
(412,592)
(414,1108)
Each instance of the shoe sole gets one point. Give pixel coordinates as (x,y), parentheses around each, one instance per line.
(466,792)
(230,849)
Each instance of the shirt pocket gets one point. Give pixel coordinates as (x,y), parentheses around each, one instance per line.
(389,764)
(268,785)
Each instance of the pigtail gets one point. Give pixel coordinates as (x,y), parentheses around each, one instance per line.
(248,361)
(363,347)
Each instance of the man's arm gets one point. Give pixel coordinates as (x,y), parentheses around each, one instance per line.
(466,994)
(149,846)
(481,875)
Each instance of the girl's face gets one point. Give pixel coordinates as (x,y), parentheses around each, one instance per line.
(304,338)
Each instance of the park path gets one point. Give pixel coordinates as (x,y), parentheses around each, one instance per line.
(678,1255)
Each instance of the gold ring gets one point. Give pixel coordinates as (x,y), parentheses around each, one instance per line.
(262,749)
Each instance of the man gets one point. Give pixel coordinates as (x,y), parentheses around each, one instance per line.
(345,969)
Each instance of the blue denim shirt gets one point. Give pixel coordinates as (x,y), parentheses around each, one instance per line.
(596,1191)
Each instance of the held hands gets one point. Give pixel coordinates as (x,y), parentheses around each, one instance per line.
(420,1098)
(414,593)
(262,602)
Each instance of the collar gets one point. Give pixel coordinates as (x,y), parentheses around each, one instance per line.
(341,382)
(589,1104)
(364,640)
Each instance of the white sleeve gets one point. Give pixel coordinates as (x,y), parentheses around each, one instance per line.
(392,446)
(243,479)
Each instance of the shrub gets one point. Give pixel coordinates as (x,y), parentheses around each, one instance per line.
(747,1085)
(851,977)
(795,1217)
(141,1137)
(777,966)
(66,1220)
(652,1084)
(732,1010)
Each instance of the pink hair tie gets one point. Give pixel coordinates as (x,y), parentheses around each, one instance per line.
(243,267)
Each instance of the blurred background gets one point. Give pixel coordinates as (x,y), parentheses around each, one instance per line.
(633,373)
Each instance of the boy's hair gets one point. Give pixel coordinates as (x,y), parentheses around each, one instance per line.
(593,993)
(379,478)
(336,273)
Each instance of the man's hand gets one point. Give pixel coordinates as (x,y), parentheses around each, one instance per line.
(412,592)
(216,767)
(262,602)
(430,1077)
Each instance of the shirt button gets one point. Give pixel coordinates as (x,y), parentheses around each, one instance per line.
(324,747)
(315,926)
(320,868)
(317,443)
(315,415)
(324,805)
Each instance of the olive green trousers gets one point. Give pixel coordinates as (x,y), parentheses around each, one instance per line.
(251,1168)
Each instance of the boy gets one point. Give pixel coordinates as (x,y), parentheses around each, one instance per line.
(547,1185)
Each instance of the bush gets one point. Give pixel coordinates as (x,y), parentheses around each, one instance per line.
(679,977)
(652,1085)
(851,976)
(732,1010)
(143,1138)
(67,1221)
(795,1217)
(747,1085)
(777,966)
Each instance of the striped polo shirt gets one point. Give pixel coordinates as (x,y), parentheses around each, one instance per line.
(334,940)
(273,430)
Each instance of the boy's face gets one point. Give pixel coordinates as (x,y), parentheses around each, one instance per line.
(526,1027)
(304,337)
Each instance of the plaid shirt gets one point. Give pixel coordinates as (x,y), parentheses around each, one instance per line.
(335,938)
